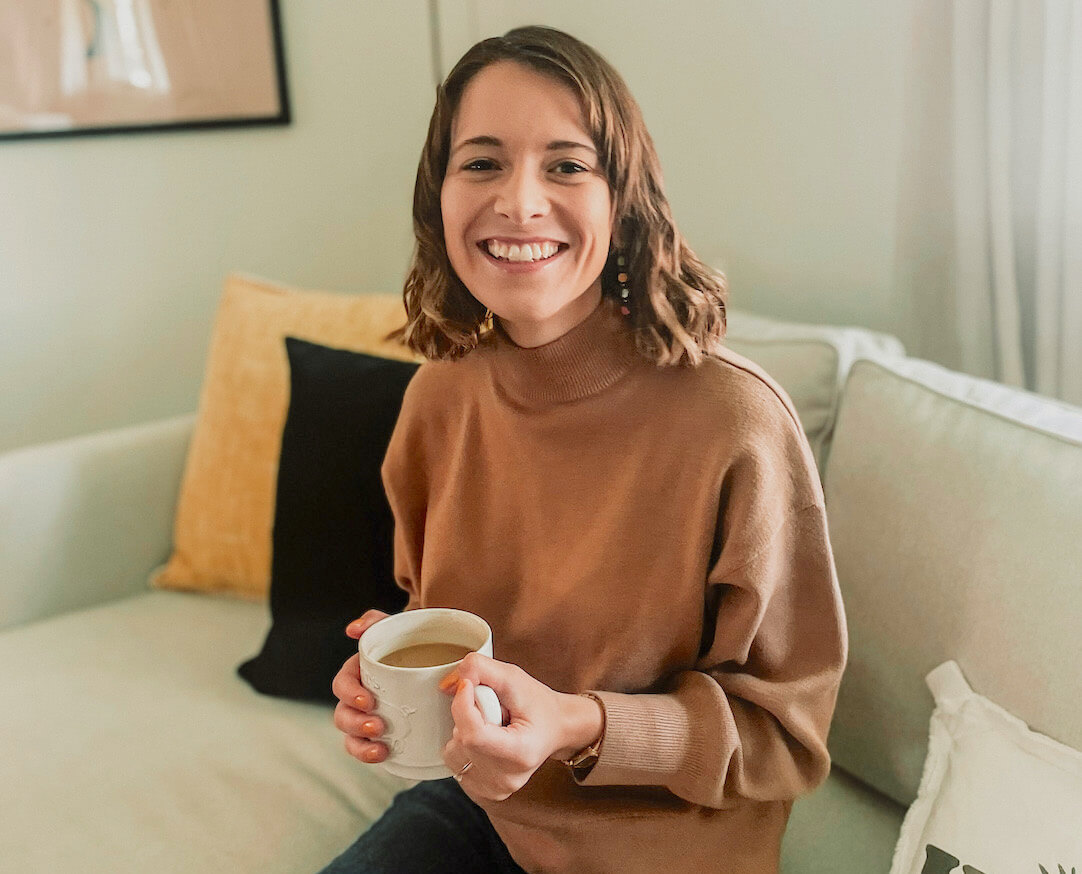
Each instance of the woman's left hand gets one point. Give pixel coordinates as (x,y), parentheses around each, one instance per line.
(504,757)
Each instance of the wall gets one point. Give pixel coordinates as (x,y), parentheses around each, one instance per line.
(801,147)
(779,125)
(113,248)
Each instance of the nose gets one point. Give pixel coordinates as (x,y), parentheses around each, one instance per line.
(521,196)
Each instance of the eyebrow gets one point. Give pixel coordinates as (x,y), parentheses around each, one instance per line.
(554,146)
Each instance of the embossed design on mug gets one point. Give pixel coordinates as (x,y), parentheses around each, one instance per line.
(397,729)
(390,736)
(396,740)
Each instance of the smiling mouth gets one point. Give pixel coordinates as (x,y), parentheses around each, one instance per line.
(524,253)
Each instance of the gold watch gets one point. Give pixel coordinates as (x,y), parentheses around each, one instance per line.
(583,762)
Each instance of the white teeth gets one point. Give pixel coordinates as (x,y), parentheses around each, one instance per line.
(524,252)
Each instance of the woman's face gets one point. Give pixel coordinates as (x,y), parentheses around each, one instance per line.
(523,170)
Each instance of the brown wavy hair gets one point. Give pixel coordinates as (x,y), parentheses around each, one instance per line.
(677,303)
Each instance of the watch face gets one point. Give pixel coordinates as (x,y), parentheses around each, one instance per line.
(587,756)
(582,768)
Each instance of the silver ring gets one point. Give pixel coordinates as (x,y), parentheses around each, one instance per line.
(465,768)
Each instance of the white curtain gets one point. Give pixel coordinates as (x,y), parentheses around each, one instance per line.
(1017,132)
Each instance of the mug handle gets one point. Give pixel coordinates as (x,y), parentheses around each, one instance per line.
(489,704)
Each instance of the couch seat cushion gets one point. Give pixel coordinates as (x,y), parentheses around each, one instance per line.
(132,745)
(844,827)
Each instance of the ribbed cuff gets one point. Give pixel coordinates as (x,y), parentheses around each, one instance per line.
(650,740)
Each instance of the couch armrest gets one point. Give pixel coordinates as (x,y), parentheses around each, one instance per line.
(85,520)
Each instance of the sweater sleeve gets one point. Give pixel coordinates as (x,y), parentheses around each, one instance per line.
(750,721)
(403,474)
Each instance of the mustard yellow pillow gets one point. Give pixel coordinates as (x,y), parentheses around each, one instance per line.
(222,529)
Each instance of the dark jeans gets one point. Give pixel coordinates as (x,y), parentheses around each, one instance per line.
(433,828)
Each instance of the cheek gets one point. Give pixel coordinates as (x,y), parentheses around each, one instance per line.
(446,209)
(452,230)
(602,232)
(458,213)
(600,210)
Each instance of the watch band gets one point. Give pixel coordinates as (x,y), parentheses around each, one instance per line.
(583,761)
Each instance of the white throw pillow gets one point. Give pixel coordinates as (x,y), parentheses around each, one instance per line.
(995,797)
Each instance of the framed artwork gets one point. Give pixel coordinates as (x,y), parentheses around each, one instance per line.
(76,67)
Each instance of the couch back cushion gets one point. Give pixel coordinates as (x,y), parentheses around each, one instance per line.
(956,519)
(810,362)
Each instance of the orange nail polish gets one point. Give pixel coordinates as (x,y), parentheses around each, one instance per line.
(369,727)
(458,688)
(448,681)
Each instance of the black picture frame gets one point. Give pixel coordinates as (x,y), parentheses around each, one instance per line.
(274,108)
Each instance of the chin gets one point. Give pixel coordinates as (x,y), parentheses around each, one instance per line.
(528,312)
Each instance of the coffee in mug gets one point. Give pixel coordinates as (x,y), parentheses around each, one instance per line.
(403,658)
(426,655)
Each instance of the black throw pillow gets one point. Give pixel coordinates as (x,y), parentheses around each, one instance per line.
(332,539)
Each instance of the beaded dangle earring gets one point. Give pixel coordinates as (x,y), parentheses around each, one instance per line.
(621,278)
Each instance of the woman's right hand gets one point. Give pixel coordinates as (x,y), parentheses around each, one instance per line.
(355,714)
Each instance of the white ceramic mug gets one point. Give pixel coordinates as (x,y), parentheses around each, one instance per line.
(408,700)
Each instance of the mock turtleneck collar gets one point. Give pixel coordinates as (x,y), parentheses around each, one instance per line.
(587,359)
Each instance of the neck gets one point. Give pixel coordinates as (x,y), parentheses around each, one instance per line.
(591,356)
(529,334)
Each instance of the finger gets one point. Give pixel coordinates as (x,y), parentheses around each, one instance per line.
(464,711)
(503,678)
(357,723)
(359,626)
(369,752)
(478,669)
(347,686)
(449,684)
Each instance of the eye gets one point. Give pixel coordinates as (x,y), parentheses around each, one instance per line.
(570,168)
(480,164)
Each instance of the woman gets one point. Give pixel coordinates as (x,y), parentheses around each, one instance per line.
(632,507)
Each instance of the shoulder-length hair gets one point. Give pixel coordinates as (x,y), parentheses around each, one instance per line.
(677,304)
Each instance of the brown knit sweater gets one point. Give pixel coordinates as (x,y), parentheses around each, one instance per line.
(656,535)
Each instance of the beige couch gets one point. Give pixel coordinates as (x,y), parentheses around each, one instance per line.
(130,744)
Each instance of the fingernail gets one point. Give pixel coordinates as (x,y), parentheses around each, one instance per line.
(362,702)
(369,727)
(371,755)
(460,685)
(449,682)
